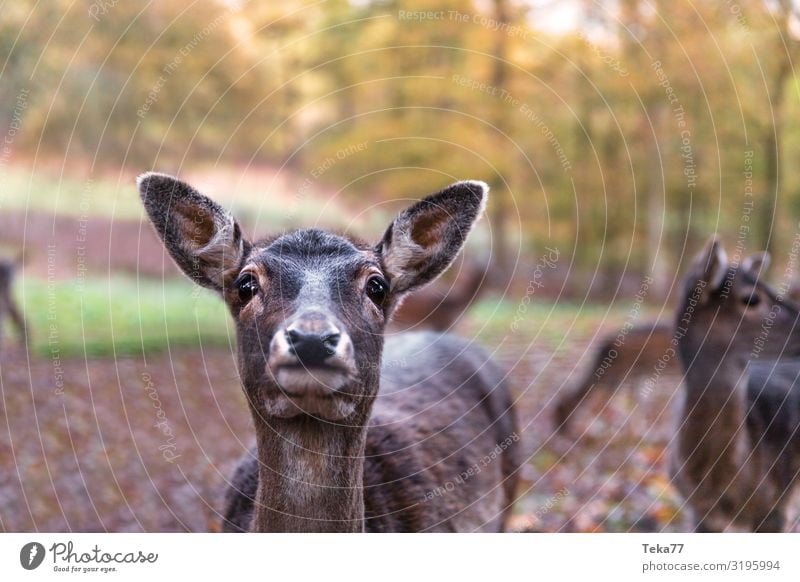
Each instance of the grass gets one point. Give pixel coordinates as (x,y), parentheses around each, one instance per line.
(116,197)
(45,192)
(256,201)
(553,323)
(122,316)
(126,316)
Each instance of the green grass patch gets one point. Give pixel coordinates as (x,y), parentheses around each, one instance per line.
(122,316)
(126,316)
(493,318)
(112,197)
(71,195)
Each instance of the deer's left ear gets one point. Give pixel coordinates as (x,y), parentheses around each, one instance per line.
(424,239)
(757,264)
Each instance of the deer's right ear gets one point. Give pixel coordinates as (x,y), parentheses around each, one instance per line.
(202,238)
(711,265)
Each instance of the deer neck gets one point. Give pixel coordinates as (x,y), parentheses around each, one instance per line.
(713,412)
(310,476)
(714,380)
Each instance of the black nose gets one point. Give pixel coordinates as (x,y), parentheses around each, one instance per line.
(311,349)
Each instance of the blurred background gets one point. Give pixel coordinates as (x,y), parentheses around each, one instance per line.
(616,135)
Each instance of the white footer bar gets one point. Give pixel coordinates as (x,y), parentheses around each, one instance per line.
(387,557)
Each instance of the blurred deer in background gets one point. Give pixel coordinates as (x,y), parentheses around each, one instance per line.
(621,358)
(738,454)
(8,268)
(439,306)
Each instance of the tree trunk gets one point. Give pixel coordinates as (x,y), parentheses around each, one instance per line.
(499,213)
(655,207)
(772,156)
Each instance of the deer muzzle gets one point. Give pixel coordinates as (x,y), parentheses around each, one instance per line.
(311,361)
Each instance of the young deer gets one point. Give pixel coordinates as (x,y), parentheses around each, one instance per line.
(352,435)
(7,304)
(737,449)
(621,358)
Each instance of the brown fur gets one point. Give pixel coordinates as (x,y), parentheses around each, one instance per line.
(439,306)
(8,305)
(421,438)
(623,357)
(409,460)
(723,465)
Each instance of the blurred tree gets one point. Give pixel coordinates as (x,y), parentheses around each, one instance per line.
(623,142)
(783,47)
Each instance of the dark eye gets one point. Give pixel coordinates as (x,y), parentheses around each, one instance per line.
(377,290)
(751,300)
(247,286)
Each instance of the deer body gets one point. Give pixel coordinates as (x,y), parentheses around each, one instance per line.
(724,464)
(425,488)
(722,469)
(619,359)
(439,306)
(7,304)
(348,438)
(773,421)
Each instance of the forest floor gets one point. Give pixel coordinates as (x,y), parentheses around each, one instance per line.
(127,413)
(146,443)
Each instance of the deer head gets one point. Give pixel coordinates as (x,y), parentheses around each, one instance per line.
(730,312)
(310,307)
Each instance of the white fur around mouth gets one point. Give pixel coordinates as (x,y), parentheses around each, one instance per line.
(309,391)
(297,381)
